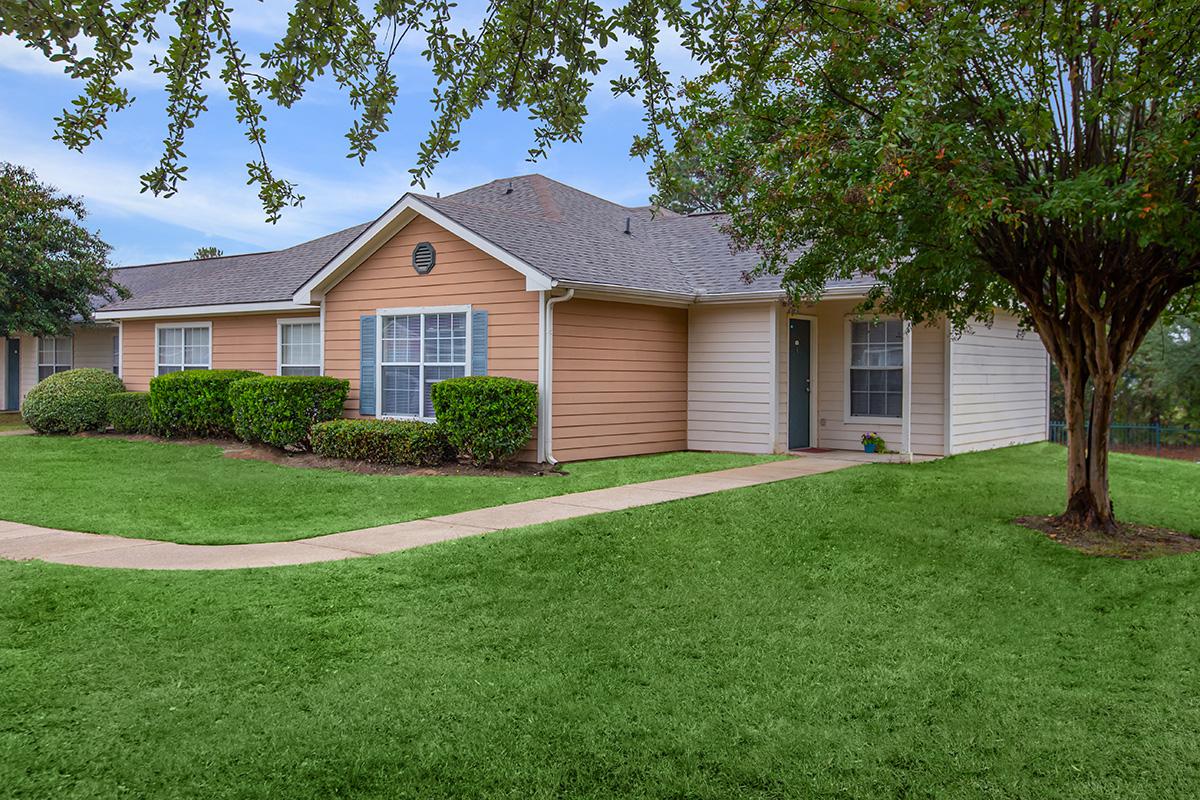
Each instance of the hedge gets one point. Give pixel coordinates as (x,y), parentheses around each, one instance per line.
(129,412)
(194,402)
(281,410)
(71,401)
(381,441)
(486,419)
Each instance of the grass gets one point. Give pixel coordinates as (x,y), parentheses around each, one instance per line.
(194,495)
(883,631)
(11,421)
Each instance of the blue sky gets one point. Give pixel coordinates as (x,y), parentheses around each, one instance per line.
(306,145)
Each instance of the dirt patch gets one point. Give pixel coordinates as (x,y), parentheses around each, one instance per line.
(1133,542)
(232,448)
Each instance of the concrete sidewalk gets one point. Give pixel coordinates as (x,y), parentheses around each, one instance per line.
(22,542)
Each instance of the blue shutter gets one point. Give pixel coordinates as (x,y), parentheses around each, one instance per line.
(479,341)
(366,377)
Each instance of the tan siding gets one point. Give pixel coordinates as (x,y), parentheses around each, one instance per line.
(463,275)
(999,387)
(620,379)
(246,341)
(730,378)
(93,347)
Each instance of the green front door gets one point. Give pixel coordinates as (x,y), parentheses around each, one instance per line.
(799,383)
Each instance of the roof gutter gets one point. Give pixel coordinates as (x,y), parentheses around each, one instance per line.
(203,311)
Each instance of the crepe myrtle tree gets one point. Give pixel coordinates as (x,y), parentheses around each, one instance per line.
(1036,157)
(51,265)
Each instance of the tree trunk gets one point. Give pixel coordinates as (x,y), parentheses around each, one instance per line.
(1089,504)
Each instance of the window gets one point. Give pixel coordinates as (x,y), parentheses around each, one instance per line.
(299,348)
(416,351)
(877,368)
(117,353)
(54,355)
(184,347)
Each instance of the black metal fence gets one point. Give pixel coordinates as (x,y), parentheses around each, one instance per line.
(1166,441)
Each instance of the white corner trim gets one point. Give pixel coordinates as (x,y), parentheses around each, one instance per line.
(203,311)
(773,382)
(395,218)
(948,394)
(281,321)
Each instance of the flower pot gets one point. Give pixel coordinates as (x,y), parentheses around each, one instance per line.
(869,448)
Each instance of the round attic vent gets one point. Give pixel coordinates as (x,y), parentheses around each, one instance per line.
(423,258)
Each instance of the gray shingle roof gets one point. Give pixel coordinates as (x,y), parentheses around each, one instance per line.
(248,278)
(569,235)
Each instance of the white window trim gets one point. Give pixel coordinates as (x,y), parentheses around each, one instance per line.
(56,364)
(401,312)
(159,326)
(906,367)
(280,322)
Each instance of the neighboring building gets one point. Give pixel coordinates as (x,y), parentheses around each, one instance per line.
(639,329)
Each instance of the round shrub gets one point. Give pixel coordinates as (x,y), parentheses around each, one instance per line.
(195,402)
(281,410)
(71,401)
(486,419)
(129,412)
(381,441)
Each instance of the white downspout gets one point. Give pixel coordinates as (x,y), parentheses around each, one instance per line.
(548,390)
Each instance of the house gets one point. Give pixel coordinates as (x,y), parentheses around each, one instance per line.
(638,327)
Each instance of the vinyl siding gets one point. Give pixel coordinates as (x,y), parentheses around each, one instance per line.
(620,379)
(730,378)
(998,387)
(91,346)
(463,275)
(835,429)
(244,341)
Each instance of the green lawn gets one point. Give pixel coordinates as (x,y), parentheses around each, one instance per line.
(878,632)
(11,421)
(193,494)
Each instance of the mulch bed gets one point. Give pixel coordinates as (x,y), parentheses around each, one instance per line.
(1132,542)
(232,448)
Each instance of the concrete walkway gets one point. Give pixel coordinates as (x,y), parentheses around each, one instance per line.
(23,542)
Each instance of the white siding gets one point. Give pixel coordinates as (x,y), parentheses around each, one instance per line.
(835,429)
(4,374)
(91,346)
(94,347)
(998,386)
(29,368)
(730,378)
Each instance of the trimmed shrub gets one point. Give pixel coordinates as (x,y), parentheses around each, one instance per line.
(195,402)
(486,419)
(281,410)
(71,401)
(381,441)
(129,412)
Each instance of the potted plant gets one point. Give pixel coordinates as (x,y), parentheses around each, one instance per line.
(873,443)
